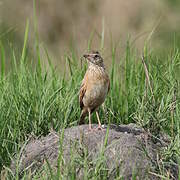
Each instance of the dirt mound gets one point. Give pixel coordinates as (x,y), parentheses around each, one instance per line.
(127,150)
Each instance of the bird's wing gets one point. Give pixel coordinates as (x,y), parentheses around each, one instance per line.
(81,94)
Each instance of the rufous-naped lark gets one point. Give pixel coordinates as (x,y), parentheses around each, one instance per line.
(94,88)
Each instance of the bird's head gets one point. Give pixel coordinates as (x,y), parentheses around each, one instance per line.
(94,58)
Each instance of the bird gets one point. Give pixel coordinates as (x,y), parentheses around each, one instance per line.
(94,87)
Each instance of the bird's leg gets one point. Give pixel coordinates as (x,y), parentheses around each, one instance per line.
(99,122)
(89,111)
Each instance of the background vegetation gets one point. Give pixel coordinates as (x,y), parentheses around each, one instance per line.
(37,95)
(33,99)
(67,23)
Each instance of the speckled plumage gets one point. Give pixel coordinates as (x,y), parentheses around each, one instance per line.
(94,87)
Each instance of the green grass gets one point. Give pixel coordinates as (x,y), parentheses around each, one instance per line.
(34,99)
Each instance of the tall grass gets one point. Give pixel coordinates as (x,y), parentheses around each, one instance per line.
(33,99)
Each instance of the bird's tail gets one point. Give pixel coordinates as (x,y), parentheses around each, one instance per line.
(82,117)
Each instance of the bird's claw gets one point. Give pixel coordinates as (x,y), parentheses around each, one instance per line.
(100,128)
(90,130)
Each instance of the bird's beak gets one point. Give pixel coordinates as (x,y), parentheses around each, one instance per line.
(86,56)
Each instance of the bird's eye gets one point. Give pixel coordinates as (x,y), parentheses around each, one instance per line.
(96,56)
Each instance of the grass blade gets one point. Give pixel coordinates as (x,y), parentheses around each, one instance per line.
(2,61)
(25,42)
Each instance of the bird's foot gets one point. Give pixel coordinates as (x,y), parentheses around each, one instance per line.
(100,128)
(90,130)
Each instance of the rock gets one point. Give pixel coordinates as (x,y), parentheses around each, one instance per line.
(128,150)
